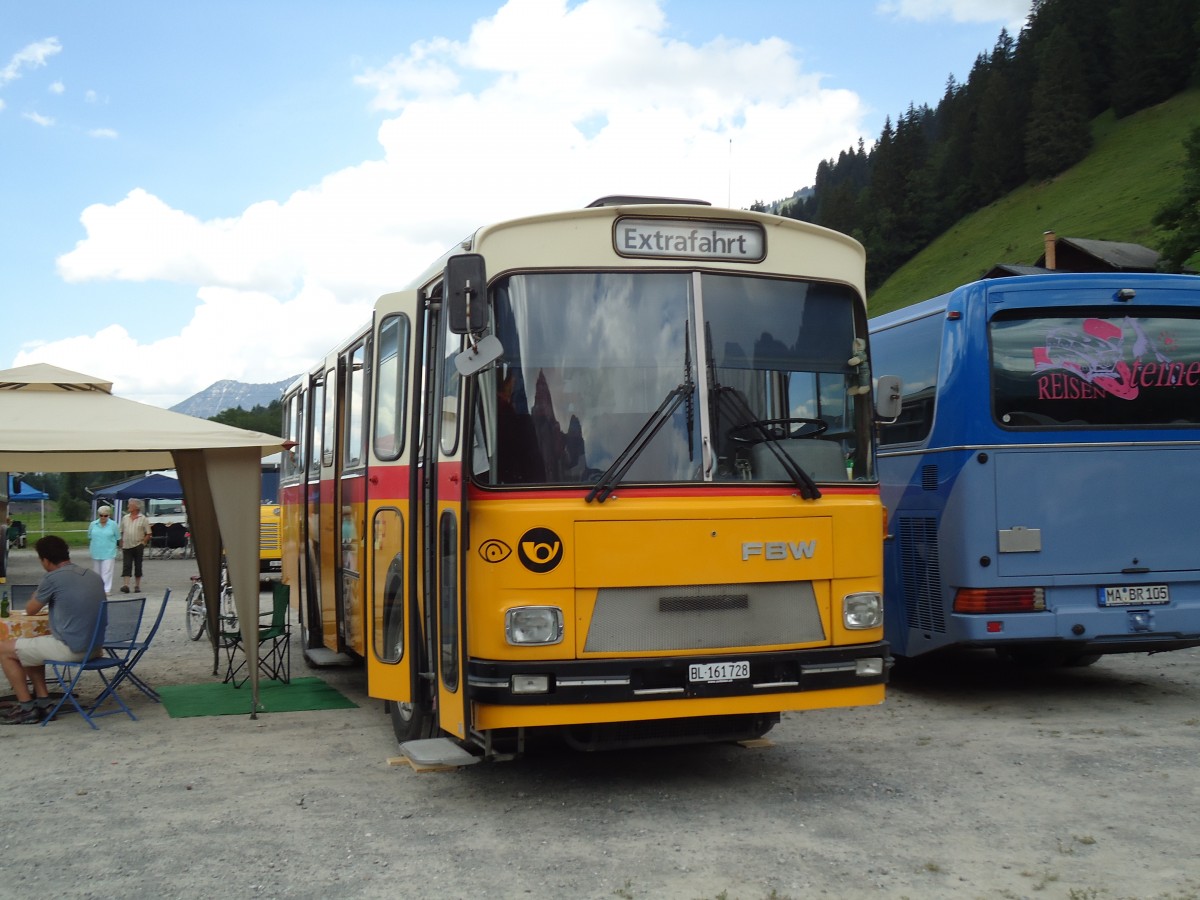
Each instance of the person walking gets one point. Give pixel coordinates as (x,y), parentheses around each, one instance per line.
(135,535)
(104,535)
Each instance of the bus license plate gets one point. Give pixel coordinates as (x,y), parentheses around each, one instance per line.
(1135,595)
(720,671)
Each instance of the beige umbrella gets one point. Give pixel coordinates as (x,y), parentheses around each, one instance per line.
(62,421)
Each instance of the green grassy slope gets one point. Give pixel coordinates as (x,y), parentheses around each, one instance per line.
(1134,169)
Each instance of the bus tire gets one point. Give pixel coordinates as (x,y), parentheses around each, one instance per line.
(409,721)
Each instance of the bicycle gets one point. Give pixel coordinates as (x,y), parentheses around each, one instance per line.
(197,615)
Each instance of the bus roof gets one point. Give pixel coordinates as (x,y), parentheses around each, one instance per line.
(1058,281)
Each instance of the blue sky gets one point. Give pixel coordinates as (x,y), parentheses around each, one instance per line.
(194,192)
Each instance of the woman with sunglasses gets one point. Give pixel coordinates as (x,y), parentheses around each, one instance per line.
(103,535)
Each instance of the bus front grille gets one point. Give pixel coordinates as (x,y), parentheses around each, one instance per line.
(268,536)
(703,617)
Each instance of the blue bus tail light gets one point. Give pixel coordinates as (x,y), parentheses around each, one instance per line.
(999,600)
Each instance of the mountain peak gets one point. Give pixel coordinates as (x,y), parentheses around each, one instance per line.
(222,395)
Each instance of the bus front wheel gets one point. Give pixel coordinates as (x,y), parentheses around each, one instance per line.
(409,721)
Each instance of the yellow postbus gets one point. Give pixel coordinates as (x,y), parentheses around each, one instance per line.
(606,471)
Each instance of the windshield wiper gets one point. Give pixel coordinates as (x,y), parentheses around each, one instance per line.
(747,418)
(627,457)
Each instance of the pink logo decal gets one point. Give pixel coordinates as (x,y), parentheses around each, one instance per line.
(1096,354)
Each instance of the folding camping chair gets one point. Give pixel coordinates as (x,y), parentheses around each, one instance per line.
(158,539)
(16,534)
(118,624)
(131,652)
(177,539)
(274,644)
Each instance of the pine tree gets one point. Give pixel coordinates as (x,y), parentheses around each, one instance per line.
(1155,51)
(1182,216)
(1058,134)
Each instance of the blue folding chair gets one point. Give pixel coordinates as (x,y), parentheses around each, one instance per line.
(130,652)
(118,623)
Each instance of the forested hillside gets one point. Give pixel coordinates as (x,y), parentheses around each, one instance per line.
(1030,109)
(1134,169)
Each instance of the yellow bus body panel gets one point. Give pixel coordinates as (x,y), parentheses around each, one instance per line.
(583,713)
(627,544)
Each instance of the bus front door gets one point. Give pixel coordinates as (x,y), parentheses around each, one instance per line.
(444,510)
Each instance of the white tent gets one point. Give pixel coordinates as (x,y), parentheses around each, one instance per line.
(61,421)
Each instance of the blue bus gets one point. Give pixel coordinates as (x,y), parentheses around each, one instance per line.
(1043,477)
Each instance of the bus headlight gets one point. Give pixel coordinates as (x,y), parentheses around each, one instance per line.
(533,625)
(861,611)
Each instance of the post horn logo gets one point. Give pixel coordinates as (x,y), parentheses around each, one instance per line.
(540,550)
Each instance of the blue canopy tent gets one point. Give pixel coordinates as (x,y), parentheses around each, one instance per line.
(28,492)
(153,487)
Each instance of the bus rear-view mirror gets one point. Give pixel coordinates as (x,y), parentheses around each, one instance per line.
(887,397)
(465,293)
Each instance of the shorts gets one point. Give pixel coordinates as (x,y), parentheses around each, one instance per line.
(131,561)
(35,651)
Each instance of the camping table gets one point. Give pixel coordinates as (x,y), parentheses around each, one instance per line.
(19,625)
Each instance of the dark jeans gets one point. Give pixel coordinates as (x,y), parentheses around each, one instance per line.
(131,560)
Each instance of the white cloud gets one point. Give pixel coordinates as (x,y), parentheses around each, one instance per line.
(543,106)
(32,56)
(38,119)
(1004,12)
(248,336)
(58,88)
(103,133)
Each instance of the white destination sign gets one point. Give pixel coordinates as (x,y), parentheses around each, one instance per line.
(689,239)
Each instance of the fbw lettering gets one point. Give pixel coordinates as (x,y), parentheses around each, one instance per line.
(779,549)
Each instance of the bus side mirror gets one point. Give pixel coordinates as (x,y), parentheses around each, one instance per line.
(465,293)
(887,398)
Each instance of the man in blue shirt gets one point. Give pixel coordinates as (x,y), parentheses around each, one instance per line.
(75,597)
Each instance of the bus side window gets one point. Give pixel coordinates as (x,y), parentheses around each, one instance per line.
(391,388)
(316,429)
(912,351)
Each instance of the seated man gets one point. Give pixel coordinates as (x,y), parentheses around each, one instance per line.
(75,596)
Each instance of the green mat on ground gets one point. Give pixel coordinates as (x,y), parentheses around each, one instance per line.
(218,699)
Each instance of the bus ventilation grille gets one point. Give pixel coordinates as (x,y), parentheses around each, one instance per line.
(929,478)
(921,573)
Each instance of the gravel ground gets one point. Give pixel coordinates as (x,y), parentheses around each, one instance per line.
(973,779)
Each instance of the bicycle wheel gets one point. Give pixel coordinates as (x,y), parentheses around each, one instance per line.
(229,616)
(197,617)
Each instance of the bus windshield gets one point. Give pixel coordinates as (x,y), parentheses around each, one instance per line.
(590,359)
(1097,370)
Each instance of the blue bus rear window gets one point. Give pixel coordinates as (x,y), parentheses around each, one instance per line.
(1099,370)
